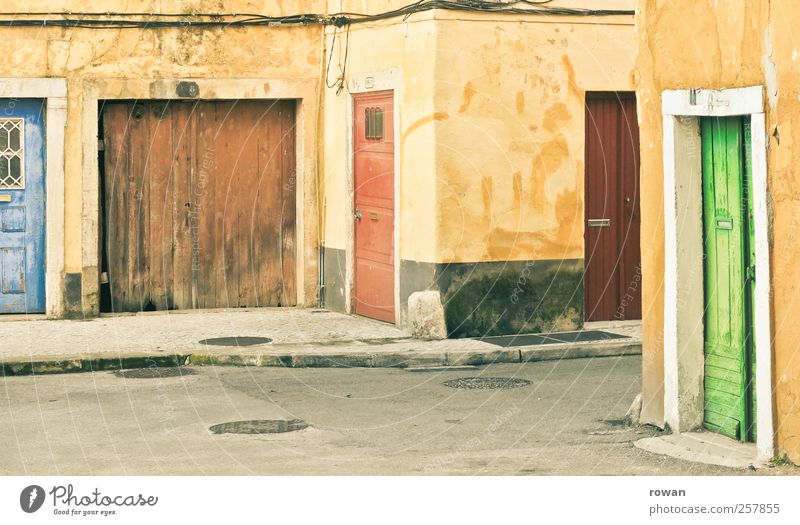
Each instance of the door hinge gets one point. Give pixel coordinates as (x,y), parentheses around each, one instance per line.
(101,145)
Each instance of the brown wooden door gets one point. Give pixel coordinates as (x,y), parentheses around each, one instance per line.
(612,279)
(373,209)
(199,204)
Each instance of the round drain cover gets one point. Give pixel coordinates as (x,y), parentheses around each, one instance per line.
(155,372)
(259,426)
(236,340)
(486,383)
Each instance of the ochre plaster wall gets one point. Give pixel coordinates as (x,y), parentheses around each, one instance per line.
(510,137)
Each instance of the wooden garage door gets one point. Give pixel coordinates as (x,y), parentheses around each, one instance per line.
(199,204)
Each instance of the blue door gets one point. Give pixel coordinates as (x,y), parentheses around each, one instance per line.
(22,206)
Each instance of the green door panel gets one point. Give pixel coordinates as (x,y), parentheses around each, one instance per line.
(726,235)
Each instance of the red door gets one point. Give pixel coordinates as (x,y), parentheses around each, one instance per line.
(374,205)
(613,278)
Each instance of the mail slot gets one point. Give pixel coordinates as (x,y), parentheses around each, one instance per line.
(373,216)
(5,198)
(599,223)
(725,224)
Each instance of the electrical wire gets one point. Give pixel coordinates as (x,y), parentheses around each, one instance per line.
(109,20)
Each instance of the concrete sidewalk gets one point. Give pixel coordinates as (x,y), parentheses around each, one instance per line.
(300,338)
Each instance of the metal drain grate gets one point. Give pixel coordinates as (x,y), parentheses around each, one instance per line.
(155,372)
(236,340)
(259,426)
(486,383)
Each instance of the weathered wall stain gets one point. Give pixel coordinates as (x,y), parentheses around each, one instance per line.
(469,92)
(486,192)
(433,117)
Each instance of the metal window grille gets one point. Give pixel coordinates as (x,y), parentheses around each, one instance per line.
(12,153)
(373,123)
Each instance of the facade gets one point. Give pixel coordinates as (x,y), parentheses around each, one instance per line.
(158,237)
(719,210)
(349,165)
(489,133)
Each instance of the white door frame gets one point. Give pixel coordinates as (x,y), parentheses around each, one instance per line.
(683,255)
(54,91)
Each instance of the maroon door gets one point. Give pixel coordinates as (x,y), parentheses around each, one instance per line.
(613,276)
(373,209)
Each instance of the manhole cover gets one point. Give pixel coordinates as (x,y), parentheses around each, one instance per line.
(237,340)
(259,426)
(486,383)
(155,372)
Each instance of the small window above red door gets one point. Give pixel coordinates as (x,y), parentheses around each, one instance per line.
(373,124)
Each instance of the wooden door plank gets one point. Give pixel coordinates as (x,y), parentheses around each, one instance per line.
(116,201)
(209,206)
(289,207)
(185,250)
(160,207)
(270,205)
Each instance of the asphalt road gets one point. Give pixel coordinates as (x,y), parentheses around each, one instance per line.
(361,421)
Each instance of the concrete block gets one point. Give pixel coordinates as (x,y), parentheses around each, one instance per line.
(426,315)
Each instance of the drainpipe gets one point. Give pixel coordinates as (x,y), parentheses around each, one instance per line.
(321,202)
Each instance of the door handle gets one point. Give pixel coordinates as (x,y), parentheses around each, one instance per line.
(599,223)
(357,214)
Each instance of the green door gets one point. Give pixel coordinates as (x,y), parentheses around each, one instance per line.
(728,243)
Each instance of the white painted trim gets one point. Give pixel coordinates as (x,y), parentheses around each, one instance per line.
(33,87)
(389,80)
(713,103)
(55,130)
(54,91)
(671,413)
(763,333)
(695,103)
(303,90)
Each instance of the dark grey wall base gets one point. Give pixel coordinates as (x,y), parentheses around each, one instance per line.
(484,298)
(501,298)
(73,291)
(335,273)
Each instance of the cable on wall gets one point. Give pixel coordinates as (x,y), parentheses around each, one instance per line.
(109,20)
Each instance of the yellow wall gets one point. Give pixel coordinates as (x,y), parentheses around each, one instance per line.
(510,143)
(491,113)
(82,54)
(408,49)
(700,44)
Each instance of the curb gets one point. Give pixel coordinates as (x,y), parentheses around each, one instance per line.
(89,364)
(530,354)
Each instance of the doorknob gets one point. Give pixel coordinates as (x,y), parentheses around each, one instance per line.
(357,214)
